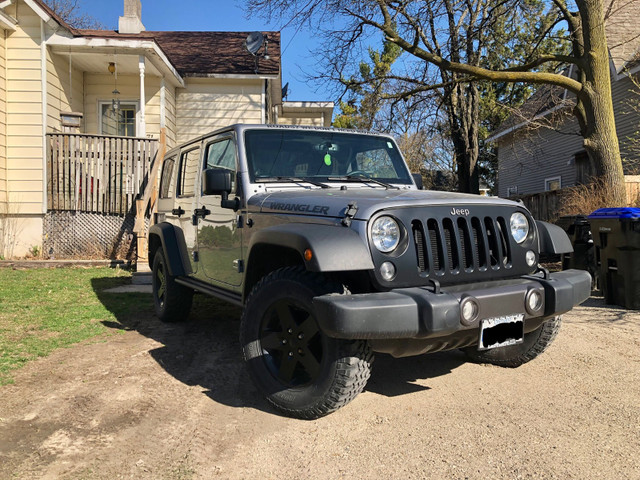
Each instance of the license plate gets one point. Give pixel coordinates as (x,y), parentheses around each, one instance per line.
(501,331)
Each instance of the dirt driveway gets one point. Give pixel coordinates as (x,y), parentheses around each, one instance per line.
(174,402)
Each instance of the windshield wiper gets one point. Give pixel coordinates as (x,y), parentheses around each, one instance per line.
(363,179)
(292,179)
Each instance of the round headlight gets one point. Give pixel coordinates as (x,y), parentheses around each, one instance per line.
(385,234)
(519,227)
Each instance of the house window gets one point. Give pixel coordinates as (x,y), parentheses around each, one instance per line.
(553,183)
(121,122)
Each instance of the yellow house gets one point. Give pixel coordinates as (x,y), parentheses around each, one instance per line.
(81,111)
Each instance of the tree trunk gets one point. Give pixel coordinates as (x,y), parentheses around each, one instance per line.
(595,105)
(464,135)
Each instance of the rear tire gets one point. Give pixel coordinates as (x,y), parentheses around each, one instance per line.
(172,301)
(302,372)
(513,356)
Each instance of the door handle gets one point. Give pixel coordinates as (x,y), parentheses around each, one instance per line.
(178,211)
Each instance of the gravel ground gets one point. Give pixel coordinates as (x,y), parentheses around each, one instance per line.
(174,402)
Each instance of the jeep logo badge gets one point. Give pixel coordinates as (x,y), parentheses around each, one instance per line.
(460,211)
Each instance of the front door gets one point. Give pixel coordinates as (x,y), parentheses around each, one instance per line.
(219,238)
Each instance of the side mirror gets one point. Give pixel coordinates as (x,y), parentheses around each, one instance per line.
(219,181)
(216,181)
(417,178)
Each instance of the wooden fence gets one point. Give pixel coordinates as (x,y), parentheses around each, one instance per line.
(546,205)
(96,173)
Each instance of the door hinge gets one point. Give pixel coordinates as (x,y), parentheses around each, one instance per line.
(178,211)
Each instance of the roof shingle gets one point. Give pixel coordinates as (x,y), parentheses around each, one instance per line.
(206,53)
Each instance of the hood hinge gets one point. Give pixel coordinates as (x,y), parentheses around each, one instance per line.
(351,211)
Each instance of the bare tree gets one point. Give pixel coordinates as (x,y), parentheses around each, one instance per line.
(408,24)
(70,11)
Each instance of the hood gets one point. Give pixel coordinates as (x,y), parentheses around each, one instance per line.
(334,202)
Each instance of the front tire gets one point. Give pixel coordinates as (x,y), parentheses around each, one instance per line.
(513,356)
(171,301)
(302,372)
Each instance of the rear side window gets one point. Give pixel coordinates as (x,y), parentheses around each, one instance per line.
(189,161)
(166,180)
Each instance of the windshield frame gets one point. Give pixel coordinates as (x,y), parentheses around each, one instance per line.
(384,142)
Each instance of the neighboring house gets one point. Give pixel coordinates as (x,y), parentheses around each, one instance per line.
(539,145)
(87,93)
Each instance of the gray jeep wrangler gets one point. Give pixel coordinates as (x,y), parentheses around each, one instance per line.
(326,241)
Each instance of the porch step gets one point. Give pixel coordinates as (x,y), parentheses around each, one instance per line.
(142,275)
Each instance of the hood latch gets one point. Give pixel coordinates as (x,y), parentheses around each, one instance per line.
(351,211)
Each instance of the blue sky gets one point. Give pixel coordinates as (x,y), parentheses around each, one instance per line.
(217,15)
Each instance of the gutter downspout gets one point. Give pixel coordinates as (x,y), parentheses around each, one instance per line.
(43,78)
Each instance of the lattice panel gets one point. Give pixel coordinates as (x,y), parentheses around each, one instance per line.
(88,235)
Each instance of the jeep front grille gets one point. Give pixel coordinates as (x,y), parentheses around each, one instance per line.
(461,245)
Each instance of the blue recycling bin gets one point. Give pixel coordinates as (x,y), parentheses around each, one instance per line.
(616,234)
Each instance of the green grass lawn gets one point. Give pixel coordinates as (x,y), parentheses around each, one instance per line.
(45,309)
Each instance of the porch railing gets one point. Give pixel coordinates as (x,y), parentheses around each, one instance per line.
(96,173)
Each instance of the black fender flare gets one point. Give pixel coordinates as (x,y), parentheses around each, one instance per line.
(553,239)
(174,247)
(333,248)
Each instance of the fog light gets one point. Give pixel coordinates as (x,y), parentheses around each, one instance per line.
(387,271)
(534,301)
(530,257)
(468,310)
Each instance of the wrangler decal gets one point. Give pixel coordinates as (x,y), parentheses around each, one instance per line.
(300,207)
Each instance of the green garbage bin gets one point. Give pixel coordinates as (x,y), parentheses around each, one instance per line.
(616,234)
(583,256)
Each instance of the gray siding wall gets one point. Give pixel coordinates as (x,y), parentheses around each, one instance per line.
(527,157)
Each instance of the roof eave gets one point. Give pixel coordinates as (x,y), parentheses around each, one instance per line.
(237,76)
(133,44)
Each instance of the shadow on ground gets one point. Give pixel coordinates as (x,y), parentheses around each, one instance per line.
(205,350)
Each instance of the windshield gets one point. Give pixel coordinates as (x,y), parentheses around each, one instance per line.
(289,155)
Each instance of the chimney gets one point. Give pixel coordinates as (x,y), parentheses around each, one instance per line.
(132,20)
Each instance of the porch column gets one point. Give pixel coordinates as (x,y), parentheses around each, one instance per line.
(142,131)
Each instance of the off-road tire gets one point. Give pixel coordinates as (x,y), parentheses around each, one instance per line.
(513,356)
(172,301)
(304,377)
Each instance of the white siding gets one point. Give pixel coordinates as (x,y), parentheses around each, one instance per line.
(207,104)
(24,113)
(310,119)
(64,94)
(3,125)
(170,115)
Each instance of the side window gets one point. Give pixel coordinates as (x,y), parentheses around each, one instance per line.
(189,161)
(167,178)
(221,154)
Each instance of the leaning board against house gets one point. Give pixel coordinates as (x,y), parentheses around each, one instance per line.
(326,241)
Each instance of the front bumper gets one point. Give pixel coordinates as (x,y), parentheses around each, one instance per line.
(420,314)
